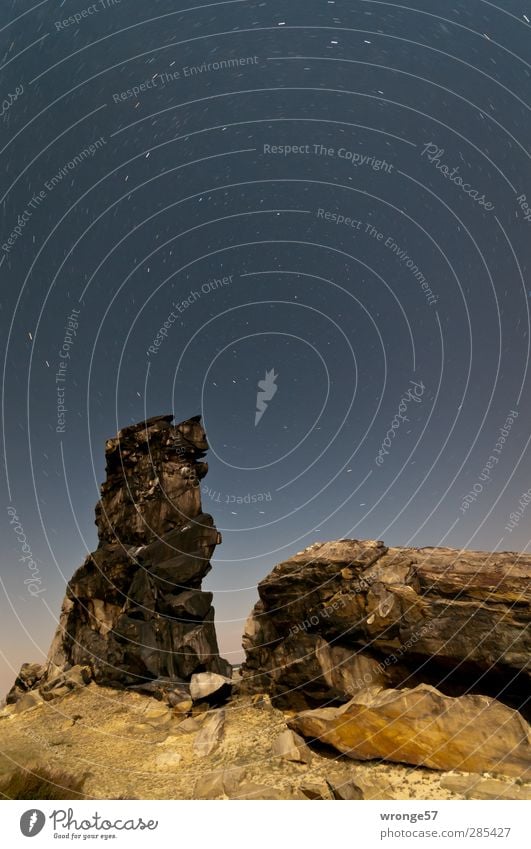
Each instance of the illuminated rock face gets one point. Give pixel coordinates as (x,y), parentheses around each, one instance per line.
(344,615)
(423,727)
(134,611)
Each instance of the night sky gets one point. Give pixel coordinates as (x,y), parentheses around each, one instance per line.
(331,199)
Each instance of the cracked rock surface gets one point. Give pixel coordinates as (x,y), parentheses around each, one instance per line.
(341,616)
(134,613)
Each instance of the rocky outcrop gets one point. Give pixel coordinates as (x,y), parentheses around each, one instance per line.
(134,612)
(344,615)
(425,728)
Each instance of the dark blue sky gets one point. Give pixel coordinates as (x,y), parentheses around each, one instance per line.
(336,191)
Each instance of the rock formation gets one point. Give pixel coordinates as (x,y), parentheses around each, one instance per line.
(341,616)
(134,612)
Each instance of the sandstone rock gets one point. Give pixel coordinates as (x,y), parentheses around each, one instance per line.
(177,696)
(265,792)
(28,701)
(210,735)
(156,715)
(372,789)
(210,687)
(78,676)
(345,790)
(189,726)
(58,692)
(154,719)
(156,733)
(134,612)
(305,669)
(390,610)
(221,783)
(261,701)
(152,475)
(28,678)
(477,787)
(423,727)
(316,789)
(183,707)
(289,746)
(71,679)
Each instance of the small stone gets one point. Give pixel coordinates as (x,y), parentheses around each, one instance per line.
(78,676)
(316,790)
(156,710)
(175,697)
(28,701)
(168,759)
(371,789)
(156,717)
(210,687)
(261,701)
(189,726)
(346,790)
(56,693)
(183,707)
(291,747)
(220,783)
(210,735)
(72,679)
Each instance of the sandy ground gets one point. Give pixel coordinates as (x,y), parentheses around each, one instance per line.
(130,746)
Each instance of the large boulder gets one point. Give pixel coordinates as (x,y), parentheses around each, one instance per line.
(423,727)
(343,615)
(134,612)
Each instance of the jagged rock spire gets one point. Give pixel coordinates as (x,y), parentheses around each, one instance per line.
(134,611)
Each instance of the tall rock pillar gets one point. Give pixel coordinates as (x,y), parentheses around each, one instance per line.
(135,611)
